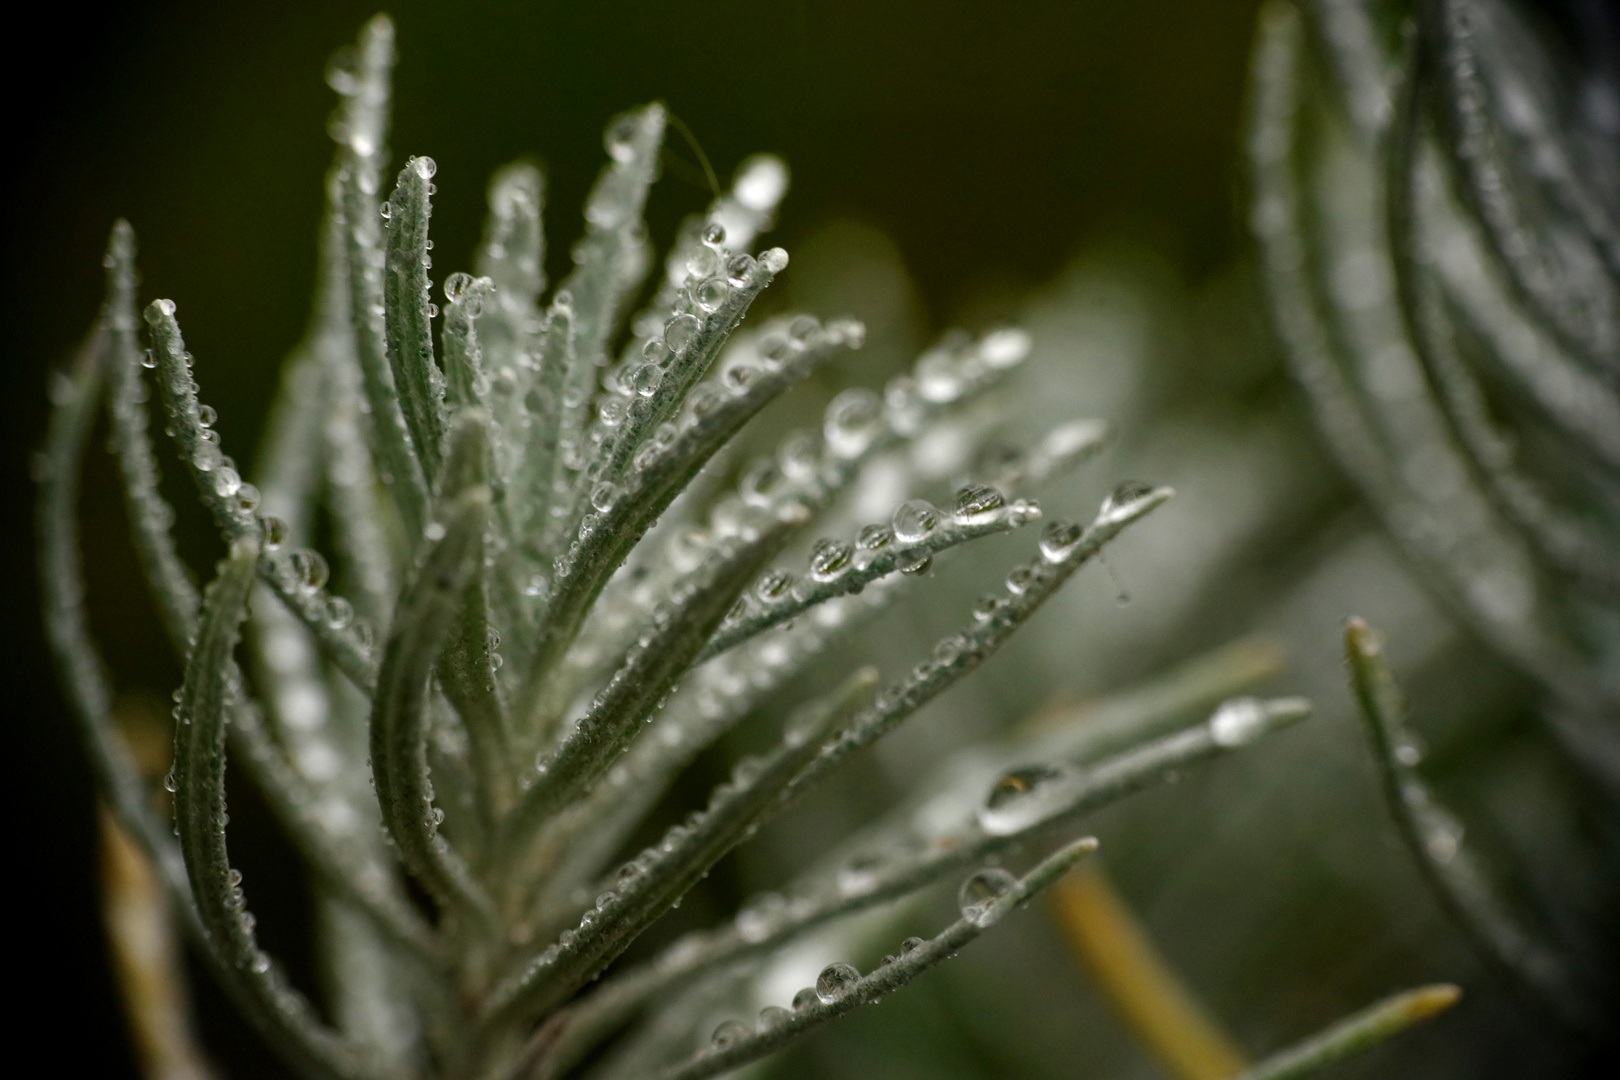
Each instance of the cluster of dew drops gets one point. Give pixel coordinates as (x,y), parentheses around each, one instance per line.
(976,898)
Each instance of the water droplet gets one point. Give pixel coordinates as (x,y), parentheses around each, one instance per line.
(852,421)
(613,410)
(339,612)
(1020,798)
(455,286)
(774,586)
(226,482)
(740,376)
(247,498)
(713,234)
(645,378)
(829,559)
(364,634)
(655,351)
(261,961)
(835,981)
(1019,580)
(773,1016)
(309,568)
(1003,349)
(873,537)
(805,998)
(679,331)
(702,263)
(911,945)
(1122,498)
(206,415)
(705,398)
(947,649)
(980,892)
(939,377)
(602,496)
(978,502)
(169,783)
(386,211)
(1238,721)
(165,307)
(148,359)
(740,270)
(438,816)
(760,482)
(424,167)
(1409,750)
(914,520)
(774,259)
(1058,540)
(802,327)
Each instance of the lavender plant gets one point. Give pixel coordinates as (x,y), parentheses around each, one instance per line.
(546,586)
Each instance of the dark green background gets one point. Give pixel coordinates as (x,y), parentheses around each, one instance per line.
(992,140)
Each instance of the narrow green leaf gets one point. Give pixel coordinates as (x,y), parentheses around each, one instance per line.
(408,312)
(1364,1030)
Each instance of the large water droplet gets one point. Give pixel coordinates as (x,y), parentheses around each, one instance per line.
(805,998)
(873,537)
(1058,540)
(309,568)
(835,981)
(829,559)
(710,294)
(729,1034)
(914,520)
(206,415)
(456,285)
(979,893)
(1238,721)
(1004,348)
(424,167)
(773,1016)
(978,502)
(602,496)
(852,421)
(740,270)
(679,331)
(1021,798)
(1122,499)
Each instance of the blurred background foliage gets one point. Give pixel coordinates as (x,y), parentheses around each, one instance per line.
(1073,167)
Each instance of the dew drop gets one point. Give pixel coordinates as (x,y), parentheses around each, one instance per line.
(1020,799)
(339,612)
(645,378)
(773,1016)
(1019,580)
(424,167)
(774,586)
(602,496)
(873,537)
(1003,349)
(1238,721)
(978,502)
(829,559)
(713,234)
(679,331)
(774,259)
(740,270)
(852,421)
(309,568)
(655,351)
(1058,540)
(805,998)
(835,981)
(979,893)
(455,286)
(206,415)
(226,482)
(914,520)
(1122,498)
(911,945)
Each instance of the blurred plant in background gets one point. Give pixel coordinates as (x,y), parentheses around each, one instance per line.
(1270,883)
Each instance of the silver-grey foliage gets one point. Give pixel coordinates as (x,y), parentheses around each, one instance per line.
(1436,202)
(529,618)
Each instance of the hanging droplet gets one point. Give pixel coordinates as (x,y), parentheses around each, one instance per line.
(978,502)
(1058,540)
(711,293)
(713,234)
(602,496)
(829,559)
(206,415)
(226,482)
(148,359)
(645,378)
(979,893)
(835,981)
(1238,721)
(247,498)
(1021,798)
(655,351)
(701,264)
(914,520)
